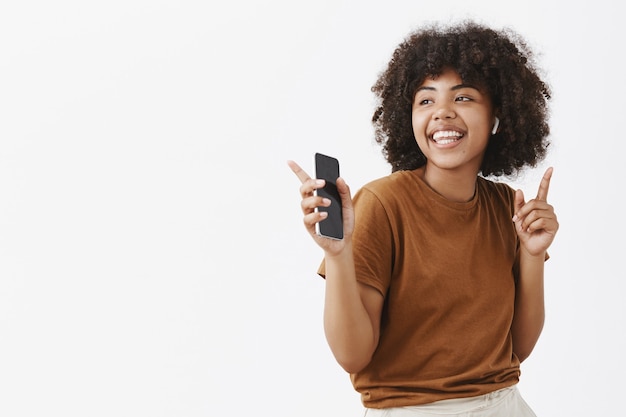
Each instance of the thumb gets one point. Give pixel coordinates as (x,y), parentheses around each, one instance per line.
(518,203)
(344,192)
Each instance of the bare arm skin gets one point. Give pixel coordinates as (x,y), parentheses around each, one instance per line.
(536,225)
(351,313)
(351,310)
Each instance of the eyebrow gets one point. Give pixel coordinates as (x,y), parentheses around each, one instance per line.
(454,88)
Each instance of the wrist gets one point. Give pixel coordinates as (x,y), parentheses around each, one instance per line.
(538,255)
(340,253)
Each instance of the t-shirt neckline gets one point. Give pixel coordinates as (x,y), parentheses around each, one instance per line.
(455,205)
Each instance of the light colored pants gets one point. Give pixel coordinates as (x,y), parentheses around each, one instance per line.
(506,402)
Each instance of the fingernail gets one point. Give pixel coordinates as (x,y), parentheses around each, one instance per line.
(319,182)
(515,218)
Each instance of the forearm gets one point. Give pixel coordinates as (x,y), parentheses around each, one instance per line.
(348,326)
(529,314)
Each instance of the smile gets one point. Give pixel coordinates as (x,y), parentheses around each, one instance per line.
(444,137)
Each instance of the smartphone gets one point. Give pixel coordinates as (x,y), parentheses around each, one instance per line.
(327,168)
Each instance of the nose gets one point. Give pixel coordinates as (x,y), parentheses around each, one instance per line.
(444,111)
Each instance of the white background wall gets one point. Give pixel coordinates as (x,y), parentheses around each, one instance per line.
(152,257)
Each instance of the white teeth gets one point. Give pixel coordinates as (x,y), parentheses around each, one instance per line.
(449,135)
(445,141)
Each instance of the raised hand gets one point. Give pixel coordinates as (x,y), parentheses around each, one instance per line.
(535,220)
(310,201)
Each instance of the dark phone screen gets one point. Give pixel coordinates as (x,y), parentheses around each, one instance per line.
(327,168)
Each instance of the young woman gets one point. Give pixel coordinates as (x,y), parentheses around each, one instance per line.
(435,295)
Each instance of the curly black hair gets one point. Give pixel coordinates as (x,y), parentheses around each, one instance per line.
(500,61)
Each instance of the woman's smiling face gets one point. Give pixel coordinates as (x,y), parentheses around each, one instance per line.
(452,122)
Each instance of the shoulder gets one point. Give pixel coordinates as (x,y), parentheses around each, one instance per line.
(390,184)
(494,190)
(383,196)
(495,186)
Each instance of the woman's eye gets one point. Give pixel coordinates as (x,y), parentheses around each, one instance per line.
(426,101)
(463,98)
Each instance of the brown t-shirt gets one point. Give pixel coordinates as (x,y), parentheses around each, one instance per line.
(447,272)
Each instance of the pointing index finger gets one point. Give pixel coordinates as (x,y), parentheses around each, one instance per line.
(300,173)
(542,194)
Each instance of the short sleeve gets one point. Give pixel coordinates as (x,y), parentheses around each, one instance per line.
(373,242)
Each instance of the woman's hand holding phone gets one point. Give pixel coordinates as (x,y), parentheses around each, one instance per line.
(316,209)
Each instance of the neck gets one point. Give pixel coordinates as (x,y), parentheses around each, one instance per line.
(457,186)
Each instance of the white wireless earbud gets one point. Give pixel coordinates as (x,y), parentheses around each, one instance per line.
(495,126)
